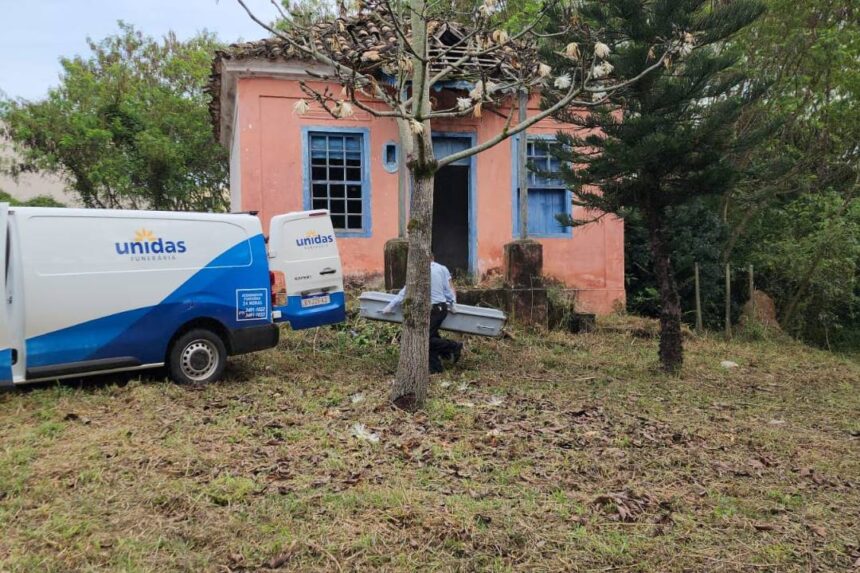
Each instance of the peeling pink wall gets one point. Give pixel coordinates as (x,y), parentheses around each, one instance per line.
(591,260)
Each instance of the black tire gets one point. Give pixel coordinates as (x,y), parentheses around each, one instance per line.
(197,357)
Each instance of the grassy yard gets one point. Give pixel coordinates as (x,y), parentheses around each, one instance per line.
(548,452)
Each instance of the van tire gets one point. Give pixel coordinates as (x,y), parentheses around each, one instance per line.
(197,357)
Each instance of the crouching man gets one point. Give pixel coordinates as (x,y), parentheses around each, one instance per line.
(443,299)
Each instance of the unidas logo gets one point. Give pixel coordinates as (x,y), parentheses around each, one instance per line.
(147,247)
(314,239)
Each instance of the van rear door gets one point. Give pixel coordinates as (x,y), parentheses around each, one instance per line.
(307,279)
(8,354)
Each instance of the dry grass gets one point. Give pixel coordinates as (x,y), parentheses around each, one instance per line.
(549,452)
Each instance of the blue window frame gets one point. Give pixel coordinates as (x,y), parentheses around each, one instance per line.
(336,178)
(548,195)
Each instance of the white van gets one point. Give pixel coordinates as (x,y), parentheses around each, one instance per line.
(94,291)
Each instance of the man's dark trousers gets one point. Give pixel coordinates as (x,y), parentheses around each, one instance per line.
(439,347)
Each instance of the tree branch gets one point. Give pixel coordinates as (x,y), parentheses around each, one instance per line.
(562,103)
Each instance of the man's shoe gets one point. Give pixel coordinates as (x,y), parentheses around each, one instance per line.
(457,351)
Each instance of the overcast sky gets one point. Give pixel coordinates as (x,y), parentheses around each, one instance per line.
(34,34)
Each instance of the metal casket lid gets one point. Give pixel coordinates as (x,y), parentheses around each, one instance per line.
(376,296)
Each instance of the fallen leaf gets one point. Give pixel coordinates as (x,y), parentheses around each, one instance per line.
(279,561)
(818,530)
(361,432)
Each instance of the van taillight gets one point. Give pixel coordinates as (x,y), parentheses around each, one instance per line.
(279,288)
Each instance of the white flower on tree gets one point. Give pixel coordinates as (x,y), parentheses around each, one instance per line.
(343,109)
(601,70)
(688,42)
(601,50)
(562,82)
(301,107)
(477,91)
(544,70)
(572,51)
(464,103)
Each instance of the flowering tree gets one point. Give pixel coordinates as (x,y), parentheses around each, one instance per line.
(387,58)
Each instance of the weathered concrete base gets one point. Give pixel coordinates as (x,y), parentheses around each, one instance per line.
(524,264)
(396,251)
(566,318)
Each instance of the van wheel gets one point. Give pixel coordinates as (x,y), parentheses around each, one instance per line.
(197,357)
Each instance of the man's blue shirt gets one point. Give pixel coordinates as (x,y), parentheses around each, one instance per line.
(440,287)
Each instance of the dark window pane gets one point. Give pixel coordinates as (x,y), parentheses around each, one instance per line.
(337,191)
(335,173)
(353,191)
(353,159)
(338,221)
(391,154)
(354,222)
(319,204)
(353,174)
(318,173)
(319,191)
(354,207)
(338,161)
(337,206)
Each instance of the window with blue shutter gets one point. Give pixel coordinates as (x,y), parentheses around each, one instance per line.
(548,197)
(337,182)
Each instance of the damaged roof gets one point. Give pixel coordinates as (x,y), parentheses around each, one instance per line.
(369,42)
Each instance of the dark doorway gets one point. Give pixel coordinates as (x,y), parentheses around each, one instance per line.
(451,218)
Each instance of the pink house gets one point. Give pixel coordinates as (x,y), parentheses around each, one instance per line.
(284,161)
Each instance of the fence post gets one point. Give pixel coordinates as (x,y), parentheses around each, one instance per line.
(728,301)
(698,299)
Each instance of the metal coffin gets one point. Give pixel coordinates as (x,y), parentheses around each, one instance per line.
(468,319)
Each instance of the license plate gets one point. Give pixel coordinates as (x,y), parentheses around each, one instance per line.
(315,301)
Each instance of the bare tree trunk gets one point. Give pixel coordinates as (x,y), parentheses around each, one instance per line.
(409,390)
(402,176)
(671,343)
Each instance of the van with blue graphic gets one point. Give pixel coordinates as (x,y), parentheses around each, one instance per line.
(95,291)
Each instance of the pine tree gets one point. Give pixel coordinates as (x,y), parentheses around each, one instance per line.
(668,138)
